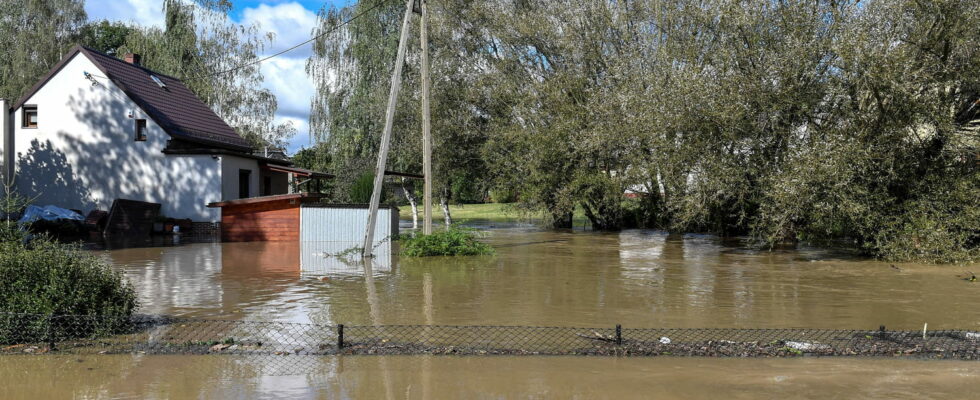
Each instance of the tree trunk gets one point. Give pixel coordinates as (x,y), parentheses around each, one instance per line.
(444,202)
(414,202)
(561,220)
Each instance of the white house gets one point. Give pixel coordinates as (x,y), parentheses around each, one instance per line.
(97,128)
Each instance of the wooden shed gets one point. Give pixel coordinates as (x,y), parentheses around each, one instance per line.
(266,218)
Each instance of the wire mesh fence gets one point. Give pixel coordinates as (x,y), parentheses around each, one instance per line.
(40,334)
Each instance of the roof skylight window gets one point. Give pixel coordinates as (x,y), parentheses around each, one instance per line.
(158,81)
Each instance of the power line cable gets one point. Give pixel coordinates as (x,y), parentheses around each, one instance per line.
(332,30)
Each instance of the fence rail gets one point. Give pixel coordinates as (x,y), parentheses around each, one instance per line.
(40,334)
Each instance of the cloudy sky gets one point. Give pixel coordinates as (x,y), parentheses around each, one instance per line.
(291,21)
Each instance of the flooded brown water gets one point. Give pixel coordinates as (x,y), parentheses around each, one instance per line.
(418,377)
(635,278)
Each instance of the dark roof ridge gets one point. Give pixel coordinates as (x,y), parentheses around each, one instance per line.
(117,59)
(179,112)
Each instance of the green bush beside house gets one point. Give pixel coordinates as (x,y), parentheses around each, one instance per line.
(42,279)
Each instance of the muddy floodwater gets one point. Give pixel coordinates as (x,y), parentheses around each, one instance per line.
(640,279)
(447,377)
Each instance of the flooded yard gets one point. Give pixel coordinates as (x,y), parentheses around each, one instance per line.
(640,279)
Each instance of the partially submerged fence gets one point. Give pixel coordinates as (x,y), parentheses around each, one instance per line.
(37,334)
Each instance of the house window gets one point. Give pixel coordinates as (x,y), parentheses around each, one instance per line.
(244,177)
(30,117)
(141,130)
(267,183)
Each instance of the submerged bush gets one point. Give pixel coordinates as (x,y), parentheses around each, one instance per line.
(452,242)
(50,279)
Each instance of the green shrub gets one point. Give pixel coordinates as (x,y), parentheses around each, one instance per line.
(361,190)
(503,195)
(941,226)
(50,279)
(452,242)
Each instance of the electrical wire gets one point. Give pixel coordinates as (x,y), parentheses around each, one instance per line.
(266,58)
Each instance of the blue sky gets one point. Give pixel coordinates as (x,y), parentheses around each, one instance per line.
(291,21)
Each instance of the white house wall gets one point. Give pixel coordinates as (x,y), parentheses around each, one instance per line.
(230,165)
(83,154)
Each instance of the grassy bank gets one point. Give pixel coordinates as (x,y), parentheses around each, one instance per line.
(482,213)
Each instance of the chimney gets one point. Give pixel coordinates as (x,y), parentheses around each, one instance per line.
(132,58)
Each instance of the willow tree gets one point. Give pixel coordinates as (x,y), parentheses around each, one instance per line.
(216,58)
(789,121)
(351,68)
(34,35)
(894,166)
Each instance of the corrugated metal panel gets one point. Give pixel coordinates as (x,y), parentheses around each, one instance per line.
(344,224)
(329,235)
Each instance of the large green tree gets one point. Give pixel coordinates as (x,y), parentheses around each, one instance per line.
(784,120)
(34,35)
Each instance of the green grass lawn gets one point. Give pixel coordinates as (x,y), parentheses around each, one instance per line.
(489,212)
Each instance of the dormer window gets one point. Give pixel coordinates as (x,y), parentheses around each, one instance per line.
(140,130)
(29,117)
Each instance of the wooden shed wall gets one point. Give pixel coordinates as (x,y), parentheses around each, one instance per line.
(266,221)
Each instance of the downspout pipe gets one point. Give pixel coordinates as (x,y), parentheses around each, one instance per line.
(7,122)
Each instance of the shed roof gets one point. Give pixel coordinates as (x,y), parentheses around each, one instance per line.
(174,107)
(301,197)
(297,171)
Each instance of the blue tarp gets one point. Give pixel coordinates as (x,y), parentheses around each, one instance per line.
(48,213)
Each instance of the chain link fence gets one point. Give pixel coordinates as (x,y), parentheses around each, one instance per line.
(40,334)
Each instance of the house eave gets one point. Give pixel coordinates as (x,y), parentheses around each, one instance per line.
(214,151)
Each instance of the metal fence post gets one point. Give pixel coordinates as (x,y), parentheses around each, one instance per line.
(48,334)
(340,336)
(619,335)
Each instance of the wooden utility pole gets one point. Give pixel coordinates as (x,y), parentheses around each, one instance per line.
(379,173)
(426,126)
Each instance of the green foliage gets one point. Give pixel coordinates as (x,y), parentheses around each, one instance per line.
(11,204)
(787,121)
(943,225)
(45,278)
(316,158)
(454,241)
(503,195)
(105,36)
(361,190)
(34,34)
(51,279)
(351,70)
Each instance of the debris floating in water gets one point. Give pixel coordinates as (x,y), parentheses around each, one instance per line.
(804,346)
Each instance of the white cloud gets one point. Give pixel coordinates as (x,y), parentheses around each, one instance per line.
(302,138)
(287,79)
(286,75)
(290,22)
(142,12)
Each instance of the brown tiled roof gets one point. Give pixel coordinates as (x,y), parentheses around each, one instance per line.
(175,108)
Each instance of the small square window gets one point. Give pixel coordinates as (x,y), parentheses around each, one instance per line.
(30,117)
(141,130)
